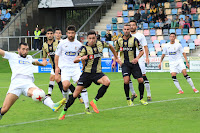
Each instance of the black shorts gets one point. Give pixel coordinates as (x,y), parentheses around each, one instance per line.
(86,79)
(134,69)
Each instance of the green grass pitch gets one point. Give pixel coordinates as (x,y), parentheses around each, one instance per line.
(168,112)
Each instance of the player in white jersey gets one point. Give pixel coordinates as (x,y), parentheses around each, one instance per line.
(22,78)
(141,61)
(66,52)
(174,50)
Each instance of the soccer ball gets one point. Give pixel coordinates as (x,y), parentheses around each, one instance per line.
(38,95)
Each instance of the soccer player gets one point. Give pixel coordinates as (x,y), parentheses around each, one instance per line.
(174,50)
(65,54)
(91,53)
(127,46)
(141,38)
(22,78)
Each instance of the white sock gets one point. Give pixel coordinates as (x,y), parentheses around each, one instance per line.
(147,86)
(189,80)
(66,94)
(131,87)
(177,84)
(84,95)
(51,85)
(48,102)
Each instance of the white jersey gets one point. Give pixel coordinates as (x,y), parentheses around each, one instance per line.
(174,51)
(67,52)
(20,66)
(141,38)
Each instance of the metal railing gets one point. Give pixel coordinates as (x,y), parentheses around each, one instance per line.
(94,18)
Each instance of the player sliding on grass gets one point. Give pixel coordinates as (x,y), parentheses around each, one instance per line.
(174,50)
(91,53)
(22,78)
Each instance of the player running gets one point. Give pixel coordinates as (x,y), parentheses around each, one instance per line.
(91,53)
(22,78)
(174,50)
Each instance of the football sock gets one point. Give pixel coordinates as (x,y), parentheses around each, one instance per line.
(48,102)
(65,94)
(141,90)
(147,86)
(72,89)
(102,90)
(131,87)
(51,85)
(84,95)
(60,86)
(176,83)
(70,102)
(189,80)
(126,90)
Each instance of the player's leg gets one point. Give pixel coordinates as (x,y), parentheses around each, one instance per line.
(59,82)
(189,80)
(173,74)
(134,95)
(51,83)
(147,86)
(8,102)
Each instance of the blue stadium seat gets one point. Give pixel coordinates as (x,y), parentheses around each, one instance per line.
(152,32)
(148,38)
(120,26)
(151,49)
(162,41)
(190,41)
(3,11)
(198,31)
(108,27)
(180,37)
(103,39)
(103,33)
(178,31)
(136,6)
(142,11)
(125,13)
(131,18)
(130,6)
(149,41)
(191,45)
(159,53)
(185,31)
(171,30)
(195,17)
(174,11)
(114,20)
(156,42)
(145,25)
(183,43)
(165,32)
(114,27)
(193,37)
(150,45)
(126,20)
(151,25)
(166,38)
(182,16)
(196,24)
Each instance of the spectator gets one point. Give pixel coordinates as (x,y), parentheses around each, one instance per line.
(187,22)
(7,16)
(175,22)
(149,18)
(108,36)
(131,2)
(1,25)
(157,24)
(185,9)
(98,36)
(181,23)
(114,37)
(137,16)
(153,10)
(13,9)
(161,15)
(161,23)
(36,41)
(120,34)
(144,17)
(167,23)
(126,2)
(155,17)
(154,3)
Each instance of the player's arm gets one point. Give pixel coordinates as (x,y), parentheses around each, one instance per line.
(147,54)
(58,52)
(2,52)
(81,55)
(161,59)
(135,60)
(37,63)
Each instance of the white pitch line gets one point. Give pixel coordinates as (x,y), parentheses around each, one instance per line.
(101,110)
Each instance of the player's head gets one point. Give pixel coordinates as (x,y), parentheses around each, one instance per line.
(23,49)
(133,25)
(172,37)
(49,34)
(126,30)
(57,34)
(71,32)
(91,37)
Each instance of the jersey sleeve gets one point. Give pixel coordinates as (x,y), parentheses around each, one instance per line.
(164,50)
(181,49)
(44,53)
(137,43)
(59,49)
(117,46)
(105,45)
(8,55)
(143,41)
(82,51)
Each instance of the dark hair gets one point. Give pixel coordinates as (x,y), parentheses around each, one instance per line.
(134,21)
(71,27)
(57,29)
(173,33)
(91,32)
(49,30)
(127,24)
(22,43)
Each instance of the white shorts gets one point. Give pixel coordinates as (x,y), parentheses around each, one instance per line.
(52,72)
(20,86)
(69,73)
(177,67)
(142,66)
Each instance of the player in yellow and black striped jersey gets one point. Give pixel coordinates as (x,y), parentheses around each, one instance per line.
(91,53)
(127,46)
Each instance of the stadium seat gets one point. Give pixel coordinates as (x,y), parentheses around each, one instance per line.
(159,53)
(198,10)
(126,20)
(153,54)
(120,26)
(179,10)
(103,39)
(178,31)
(182,16)
(193,37)
(148,6)
(103,33)
(166,5)
(193,10)
(131,13)
(191,46)
(195,17)
(145,26)
(158,32)
(115,32)
(186,37)
(162,46)
(140,31)
(153,38)
(152,32)
(156,42)
(168,11)
(151,25)
(183,43)
(166,38)
(159,38)
(119,20)
(192,31)
(157,45)
(146,32)
(124,7)
(149,41)
(199,17)
(185,31)
(142,12)
(198,31)
(150,45)
(196,24)
(172,31)
(178,4)
(190,41)
(125,13)
(114,27)
(130,6)
(148,38)
(114,20)
(198,36)
(165,32)
(137,6)
(119,13)
(108,27)
(158,49)
(180,37)
(3,11)
(186,50)
(197,42)
(131,18)
(162,41)
(151,49)
(172,5)
(174,11)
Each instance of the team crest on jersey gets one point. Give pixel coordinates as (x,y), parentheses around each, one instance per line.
(50,48)
(100,49)
(95,49)
(125,43)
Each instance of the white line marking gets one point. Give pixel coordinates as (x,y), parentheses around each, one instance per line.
(101,110)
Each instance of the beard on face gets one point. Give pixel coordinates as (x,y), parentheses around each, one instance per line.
(133,30)
(71,38)
(23,55)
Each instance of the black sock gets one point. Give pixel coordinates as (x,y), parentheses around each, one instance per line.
(0,112)
(72,89)
(102,90)
(70,102)
(60,86)
(141,89)
(126,90)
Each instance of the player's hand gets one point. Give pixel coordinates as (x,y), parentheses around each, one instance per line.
(159,66)
(84,57)
(119,62)
(147,60)
(44,62)
(134,61)
(113,64)
(187,64)
(57,71)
